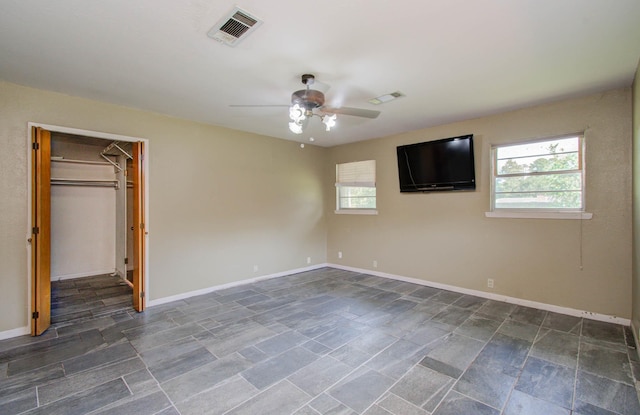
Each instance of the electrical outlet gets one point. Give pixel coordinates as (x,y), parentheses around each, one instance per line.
(339,254)
(375,263)
(308,260)
(255,268)
(490,283)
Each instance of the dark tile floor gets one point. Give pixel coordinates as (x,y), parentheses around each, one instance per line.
(79,299)
(319,342)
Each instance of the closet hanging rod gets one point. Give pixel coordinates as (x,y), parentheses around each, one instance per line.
(85,182)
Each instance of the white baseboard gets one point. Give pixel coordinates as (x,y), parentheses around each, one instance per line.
(496,297)
(83,274)
(208,290)
(21,331)
(636,332)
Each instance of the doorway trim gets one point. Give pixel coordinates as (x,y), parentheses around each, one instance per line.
(145,196)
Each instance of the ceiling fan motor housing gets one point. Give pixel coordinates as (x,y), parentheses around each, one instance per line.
(308,98)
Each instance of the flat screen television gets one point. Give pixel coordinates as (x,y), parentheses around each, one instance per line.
(439,165)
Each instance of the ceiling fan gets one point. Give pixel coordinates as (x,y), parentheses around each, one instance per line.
(305,101)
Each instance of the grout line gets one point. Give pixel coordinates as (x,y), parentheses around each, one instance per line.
(37,397)
(575,379)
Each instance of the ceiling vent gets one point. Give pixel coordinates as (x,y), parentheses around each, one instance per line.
(234,27)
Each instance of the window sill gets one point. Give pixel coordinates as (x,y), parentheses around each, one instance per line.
(356,212)
(539,215)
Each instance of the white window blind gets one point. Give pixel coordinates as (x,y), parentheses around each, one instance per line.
(356,174)
(356,187)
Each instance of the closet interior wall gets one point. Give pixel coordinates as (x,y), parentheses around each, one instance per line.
(88,209)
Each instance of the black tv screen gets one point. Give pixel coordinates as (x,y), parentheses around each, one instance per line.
(439,165)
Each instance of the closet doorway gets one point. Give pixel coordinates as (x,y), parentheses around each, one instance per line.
(88,213)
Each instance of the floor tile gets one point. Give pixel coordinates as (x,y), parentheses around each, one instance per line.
(557,347)
(548,381)
(87,400)
(563,322)
(19,402)
(219,399)
(316,377)
(457,404)
(528,315)
(361,389)
(115,353)
(420,384)
(486,385)
(522,404)
(272,370)
(71,384)
(470,302)
(150,404)
(455,351)
(452,315)
(205,377)
(592,390)
(603,331)
(282,398)
(605,362)
(519,330)
(496,309)
(395,360)
(478,328)
(281,342)
(396,405)
(325,404)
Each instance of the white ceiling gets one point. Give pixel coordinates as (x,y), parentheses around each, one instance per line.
(453,59)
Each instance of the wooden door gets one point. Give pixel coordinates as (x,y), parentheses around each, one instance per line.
(41,231)
(138,224)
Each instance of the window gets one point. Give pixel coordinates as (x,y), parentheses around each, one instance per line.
(356,187)
(539,176)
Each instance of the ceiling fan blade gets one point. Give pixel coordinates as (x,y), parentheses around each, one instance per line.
(356,112)
(256,105)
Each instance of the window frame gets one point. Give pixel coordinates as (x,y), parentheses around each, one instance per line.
(370,183)
(543,213)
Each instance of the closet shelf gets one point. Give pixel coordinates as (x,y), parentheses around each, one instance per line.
(99,163)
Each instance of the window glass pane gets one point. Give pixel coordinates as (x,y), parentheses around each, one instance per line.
(356,197)
(538,163)
(549,191)
(543,200)
(539,148)
(539,183)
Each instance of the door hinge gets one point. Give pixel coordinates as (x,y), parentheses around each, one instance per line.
(126,261)
(35,146)
(35,315)
(142,226)
(141,294)
(36,230)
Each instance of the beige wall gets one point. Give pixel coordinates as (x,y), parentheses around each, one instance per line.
(446,238)
(221,201)
(635,320)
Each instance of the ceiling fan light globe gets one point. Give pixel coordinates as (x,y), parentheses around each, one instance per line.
(297,113)
(329,121)
(295,127)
